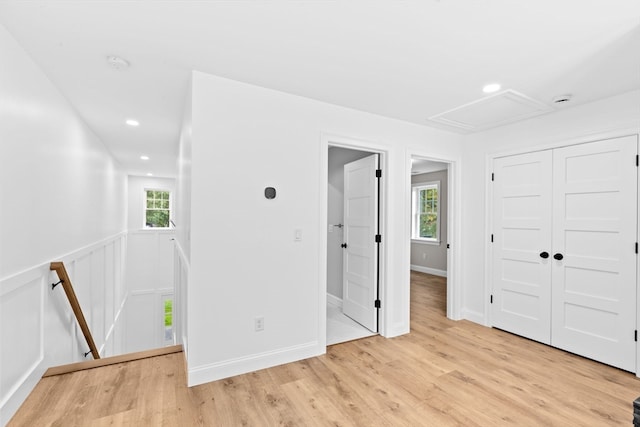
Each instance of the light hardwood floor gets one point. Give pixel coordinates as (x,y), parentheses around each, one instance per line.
(443,373)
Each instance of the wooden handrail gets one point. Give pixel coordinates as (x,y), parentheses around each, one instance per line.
(58,267)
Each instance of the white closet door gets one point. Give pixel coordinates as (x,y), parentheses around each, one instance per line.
(594,229)
(522,234)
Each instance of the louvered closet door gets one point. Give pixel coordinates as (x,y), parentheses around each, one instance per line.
(521,232)
(594,229)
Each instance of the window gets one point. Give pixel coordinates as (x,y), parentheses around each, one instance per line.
(425,220)
(167,302)
(157,208)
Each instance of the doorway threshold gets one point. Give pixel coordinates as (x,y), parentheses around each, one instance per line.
(341,328)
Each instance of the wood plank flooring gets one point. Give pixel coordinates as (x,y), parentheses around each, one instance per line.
(443,373)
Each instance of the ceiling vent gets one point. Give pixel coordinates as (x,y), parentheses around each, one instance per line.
(500,109)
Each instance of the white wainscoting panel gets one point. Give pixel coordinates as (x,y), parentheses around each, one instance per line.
(37,326)
(18,361)
(145,314)
(181,274)
(149,277)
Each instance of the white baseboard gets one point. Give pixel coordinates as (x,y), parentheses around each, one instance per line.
(242,365)
(473,316)
(434,271)
(332,299)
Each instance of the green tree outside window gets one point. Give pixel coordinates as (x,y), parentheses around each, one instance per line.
(158,208)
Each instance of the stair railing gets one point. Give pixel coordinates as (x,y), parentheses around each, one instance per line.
(59,268)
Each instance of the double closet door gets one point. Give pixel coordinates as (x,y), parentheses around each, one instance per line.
(564,251)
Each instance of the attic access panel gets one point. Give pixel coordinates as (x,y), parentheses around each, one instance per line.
(500,109)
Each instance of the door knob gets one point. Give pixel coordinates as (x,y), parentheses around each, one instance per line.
(558,256)
(344,245)
(544,255)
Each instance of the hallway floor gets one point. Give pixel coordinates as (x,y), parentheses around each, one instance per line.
(444,373)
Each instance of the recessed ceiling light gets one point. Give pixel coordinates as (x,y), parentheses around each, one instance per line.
(132,122)
(491,87)
(149,174)
(144,157)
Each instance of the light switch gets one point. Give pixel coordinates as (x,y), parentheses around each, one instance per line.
(298,235)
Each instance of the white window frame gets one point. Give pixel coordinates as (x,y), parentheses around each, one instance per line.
(415,232)
(144,208)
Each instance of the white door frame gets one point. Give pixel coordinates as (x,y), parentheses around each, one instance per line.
(581,139)
(327,141)
(454,218)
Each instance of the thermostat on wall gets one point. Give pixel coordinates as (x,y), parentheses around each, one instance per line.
(270,193)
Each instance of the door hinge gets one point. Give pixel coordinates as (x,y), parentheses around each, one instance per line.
(492,176)
(378,238)
(635,335)
(491,300)
(377,303)
(492,238)
(378,173)
(637,160)
(636,247)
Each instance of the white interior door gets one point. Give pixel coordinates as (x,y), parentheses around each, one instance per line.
(521,299)
(594,230)
(360,254)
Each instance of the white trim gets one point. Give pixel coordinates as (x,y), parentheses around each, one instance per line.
(638,263)
(414,202)
(550,143)
(429,270)
(78,253)
(181,289)
(473,316)
(454,221)
(241,365)
(427,242)
(334,300)
(159,230)
(385,326)
(112,328)
(22,387)
(183,257)
(144,208)
(158,291)
(487,287)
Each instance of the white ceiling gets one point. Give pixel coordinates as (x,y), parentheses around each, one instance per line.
(408,60)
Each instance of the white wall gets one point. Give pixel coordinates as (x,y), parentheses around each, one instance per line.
(62,197)
(182,247)
(338,157)
(244,261)
(615,115)
(182,214)
(429,257)
(149,270)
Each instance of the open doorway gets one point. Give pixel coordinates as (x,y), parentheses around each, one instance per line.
(352,265)
(429,225)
